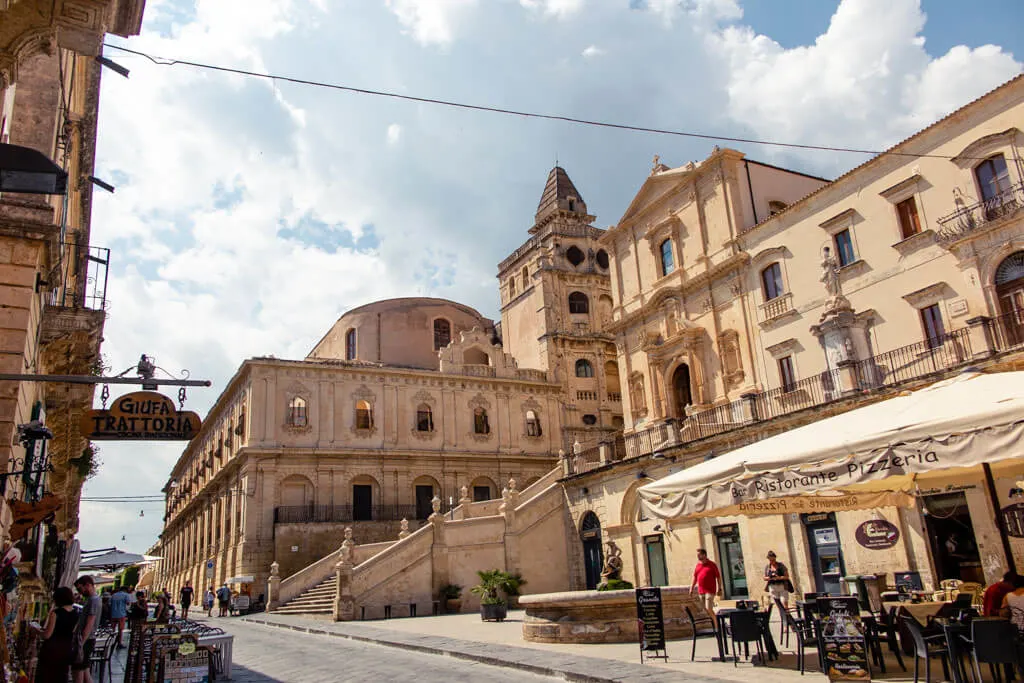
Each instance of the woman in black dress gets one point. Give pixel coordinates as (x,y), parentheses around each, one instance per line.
(55,653)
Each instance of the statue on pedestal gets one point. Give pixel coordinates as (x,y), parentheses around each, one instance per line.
(611,575)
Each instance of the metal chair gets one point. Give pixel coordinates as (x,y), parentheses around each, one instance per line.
(99,660)
(926,647)
(698,632)
(887,629)
(994,641)
(804,632)
(745,628)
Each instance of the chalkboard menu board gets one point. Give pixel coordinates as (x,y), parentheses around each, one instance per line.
(842,639)
(651,623)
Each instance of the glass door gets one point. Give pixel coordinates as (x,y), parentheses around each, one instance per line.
(657,571)
(730,557)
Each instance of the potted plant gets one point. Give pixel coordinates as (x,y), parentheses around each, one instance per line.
(452,596)
(494,583)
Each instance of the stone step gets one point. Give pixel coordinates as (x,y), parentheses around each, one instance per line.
(303,610)
(310,601)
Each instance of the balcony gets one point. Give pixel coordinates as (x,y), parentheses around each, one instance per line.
(779,307)
(614,397)
(303,514)
(586,395)
(968,220)
(931,358)
(76,298)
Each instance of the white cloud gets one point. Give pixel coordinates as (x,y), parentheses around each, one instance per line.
(592,51)
(394,134)
(431,22)
(556,8)
(866,82)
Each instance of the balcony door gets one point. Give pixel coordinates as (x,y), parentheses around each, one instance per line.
(1009,281)
(681,390)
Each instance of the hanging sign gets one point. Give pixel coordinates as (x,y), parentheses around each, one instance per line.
(842,637)
(651,623)
(141,416)
(877,534)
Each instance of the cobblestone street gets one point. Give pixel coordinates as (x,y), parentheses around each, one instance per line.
(265,655)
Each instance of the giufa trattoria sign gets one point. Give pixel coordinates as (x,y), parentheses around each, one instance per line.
(141,416)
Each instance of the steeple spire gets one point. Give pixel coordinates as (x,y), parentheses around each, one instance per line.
(559,193)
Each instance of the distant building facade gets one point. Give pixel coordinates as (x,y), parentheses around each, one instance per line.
(403,400)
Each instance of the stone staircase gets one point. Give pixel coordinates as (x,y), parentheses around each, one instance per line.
(317,601)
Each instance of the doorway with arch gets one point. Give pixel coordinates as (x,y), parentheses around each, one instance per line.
(681,392)
(1009,282)
(593,558)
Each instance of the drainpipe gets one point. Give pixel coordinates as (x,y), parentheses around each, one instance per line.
(750,187)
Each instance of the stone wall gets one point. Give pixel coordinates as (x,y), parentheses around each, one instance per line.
(299,545)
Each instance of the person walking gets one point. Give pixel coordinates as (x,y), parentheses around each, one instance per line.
(208,599)
(58,632)
(707,579)
(185,598)
(88,619)
(162,615)
(223,600)
(777,581)
(119,611)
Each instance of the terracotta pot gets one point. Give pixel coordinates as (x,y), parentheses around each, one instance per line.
(453,605)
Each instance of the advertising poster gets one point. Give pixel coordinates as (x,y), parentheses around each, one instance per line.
(842,637)
(651,622)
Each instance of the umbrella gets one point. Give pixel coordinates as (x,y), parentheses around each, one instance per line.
(112,561)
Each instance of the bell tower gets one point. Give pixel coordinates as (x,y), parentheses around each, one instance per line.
(556,306)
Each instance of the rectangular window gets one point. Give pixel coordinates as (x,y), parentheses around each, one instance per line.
(844,248)
(771,278)
(993,177)
(931,320)
(481,493)
(786,374)
(910,224)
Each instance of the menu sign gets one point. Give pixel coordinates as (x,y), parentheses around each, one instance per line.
(842,637)
(877,534)
(651,621)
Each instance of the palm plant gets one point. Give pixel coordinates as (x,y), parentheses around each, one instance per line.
(494,583)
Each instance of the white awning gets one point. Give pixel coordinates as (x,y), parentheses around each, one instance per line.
(868,456)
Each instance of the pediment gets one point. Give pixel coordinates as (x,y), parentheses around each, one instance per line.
(654,189)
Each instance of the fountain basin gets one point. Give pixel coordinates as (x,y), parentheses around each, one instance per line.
(601,616)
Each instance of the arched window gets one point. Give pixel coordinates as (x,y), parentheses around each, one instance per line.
(512,287)
(297,412)
(578,303)
(442,333)
(771,281)
(532,424)
(526,278)
(574,255)
(480,423)
(637,399)
(364,415)
(668,263)
(584,368)
(424,418)
(993,177)
(350,344)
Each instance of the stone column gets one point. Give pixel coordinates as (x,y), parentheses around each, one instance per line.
(273,587)
(979,332)
(604,452)
(344,603)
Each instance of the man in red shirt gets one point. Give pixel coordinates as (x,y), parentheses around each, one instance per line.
(708,582)
(992,601)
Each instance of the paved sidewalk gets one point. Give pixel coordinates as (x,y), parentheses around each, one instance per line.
(465,636)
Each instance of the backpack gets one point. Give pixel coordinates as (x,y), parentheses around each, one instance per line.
(223,594)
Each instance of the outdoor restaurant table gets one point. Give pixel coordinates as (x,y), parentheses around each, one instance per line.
(922,611)
(762,617)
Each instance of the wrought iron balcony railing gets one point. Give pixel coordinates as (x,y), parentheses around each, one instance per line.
(968,219)
(80,280)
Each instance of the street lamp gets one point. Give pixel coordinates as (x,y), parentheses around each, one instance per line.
(23,169)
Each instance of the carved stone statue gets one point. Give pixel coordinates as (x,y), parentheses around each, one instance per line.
(403,529)
(435,503)
(655,164)
(830,274)
(612,564)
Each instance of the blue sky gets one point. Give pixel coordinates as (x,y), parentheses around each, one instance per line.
(249,214)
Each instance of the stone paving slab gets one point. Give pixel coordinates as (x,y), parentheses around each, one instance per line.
(570,667)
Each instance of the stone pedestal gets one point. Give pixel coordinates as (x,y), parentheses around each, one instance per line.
(274,587)
(979,332)
(843,336)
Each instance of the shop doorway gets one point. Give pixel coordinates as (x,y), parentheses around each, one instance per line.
(730,561)
(951,536)
(657,570)
(826,551)
(593,558)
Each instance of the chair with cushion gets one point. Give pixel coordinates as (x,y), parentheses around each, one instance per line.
(926,647)
(700,627)
(994,641)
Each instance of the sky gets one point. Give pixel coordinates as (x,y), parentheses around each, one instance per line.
(249,214)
